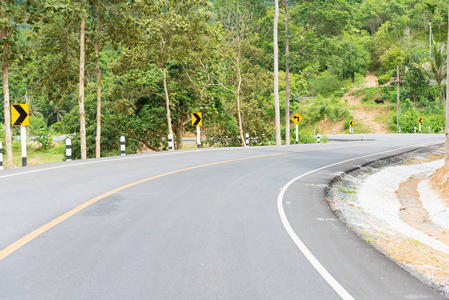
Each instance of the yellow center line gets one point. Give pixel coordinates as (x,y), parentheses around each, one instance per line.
(31,236)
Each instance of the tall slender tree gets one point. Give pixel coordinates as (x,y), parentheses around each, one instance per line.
(238,23)
(13,14)
(277,120)
(447,102)
(81,88)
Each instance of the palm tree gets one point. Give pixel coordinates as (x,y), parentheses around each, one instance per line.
(435,66)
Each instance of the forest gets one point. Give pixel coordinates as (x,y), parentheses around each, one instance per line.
(100,69)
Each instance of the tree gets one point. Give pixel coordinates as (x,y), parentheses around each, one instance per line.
(167,29)
(277,120)
(352,58)
(416,84)
(239,25)
(81,88)
(435,66)
(13,14)
(447,102)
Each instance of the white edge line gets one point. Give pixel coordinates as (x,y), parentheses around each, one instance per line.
(134,156)
(104,159)
(310,257)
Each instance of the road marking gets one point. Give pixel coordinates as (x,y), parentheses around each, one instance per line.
(302,247)
(31,236)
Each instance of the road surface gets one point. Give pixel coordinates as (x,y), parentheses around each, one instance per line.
(238,223)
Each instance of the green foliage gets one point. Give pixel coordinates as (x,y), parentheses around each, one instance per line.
(433,117)
(333,44)
(351,58)
(415,85)
(392,57)
(40,132)
(383,79)
(324,109)
(324,83)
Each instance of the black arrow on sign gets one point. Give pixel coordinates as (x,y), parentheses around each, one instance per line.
(297,118)
(198,119)
(23,114)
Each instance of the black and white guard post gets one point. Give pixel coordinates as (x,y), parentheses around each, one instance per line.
(247,140)
(399,129)
(122,146)
(414,129)
(429,130)
(1,156)
(419,128)
(68,149)
(441,129)
(334,131)
(170,142)
(318,138)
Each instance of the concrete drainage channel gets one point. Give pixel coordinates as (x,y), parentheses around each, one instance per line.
(345,196)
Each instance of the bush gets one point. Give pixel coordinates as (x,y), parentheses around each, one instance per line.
(324,84)
(383,79)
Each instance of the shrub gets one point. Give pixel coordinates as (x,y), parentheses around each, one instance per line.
(383,79)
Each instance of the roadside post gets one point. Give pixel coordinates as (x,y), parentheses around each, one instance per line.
(1,155)
(170,142)
(297,118)
(297,137)
(414,129)
(441,129)
(122,145)
(20,117)
(68,149)
(429,130)
(420,121)
(351,124)
(399,129)
(318,138)
(247,139)
(197,120)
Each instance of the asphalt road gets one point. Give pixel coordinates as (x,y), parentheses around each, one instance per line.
(240,223)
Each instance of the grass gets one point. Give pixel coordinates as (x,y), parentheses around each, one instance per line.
(35,155)
(346,191)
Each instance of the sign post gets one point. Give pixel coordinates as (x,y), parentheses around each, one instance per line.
(296,118)
(197,121)
(20,117)
(351,123)
(420,121)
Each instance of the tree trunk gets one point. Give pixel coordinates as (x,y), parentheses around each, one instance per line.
(179,128)
(277,124)
(7,108)
(239,87)
(446,160)
(98,72)
(287,76)
(167,99)
(98,136)
(81,92)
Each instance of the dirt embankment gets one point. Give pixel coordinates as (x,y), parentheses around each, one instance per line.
(413,252)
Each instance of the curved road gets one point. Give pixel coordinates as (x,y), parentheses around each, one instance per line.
(240,223)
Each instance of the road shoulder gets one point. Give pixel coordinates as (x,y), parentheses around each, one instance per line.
(391,205)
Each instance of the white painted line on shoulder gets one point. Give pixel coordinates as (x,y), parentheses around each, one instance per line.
(302,247)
